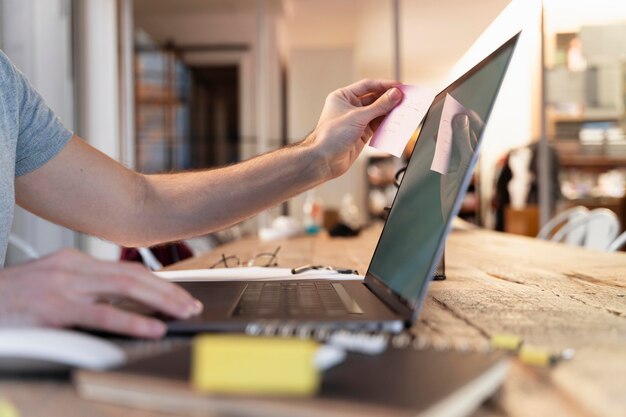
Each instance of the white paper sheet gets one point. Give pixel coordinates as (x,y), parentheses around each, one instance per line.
(253,273)
(397,128)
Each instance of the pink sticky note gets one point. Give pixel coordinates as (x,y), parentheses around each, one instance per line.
(443,148)
(397,128)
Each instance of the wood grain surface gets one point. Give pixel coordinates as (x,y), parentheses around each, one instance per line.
(553,296)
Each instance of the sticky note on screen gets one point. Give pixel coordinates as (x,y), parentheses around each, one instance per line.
(443,148)
(397,128)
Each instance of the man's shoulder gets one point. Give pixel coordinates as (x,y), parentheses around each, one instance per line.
(7,70)
(5,62)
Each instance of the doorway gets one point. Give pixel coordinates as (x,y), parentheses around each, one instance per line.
(214,116)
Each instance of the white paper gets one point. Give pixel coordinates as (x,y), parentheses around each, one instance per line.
(396,129)
(253,273)
(443,148)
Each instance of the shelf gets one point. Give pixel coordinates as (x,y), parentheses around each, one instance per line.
(567,118)
(592,161)
(574,155)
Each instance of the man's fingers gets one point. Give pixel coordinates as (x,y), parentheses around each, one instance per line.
(383,105)
(375,123)
(108,318)
(363,87)
(152,291)
(135,282)
(368,99)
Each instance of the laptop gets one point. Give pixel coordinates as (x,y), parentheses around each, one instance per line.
(390,296)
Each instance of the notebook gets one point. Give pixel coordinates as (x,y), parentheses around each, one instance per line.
(410,246)
(397,383)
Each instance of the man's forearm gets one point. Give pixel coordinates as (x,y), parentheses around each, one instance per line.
(85,190)
(193,203)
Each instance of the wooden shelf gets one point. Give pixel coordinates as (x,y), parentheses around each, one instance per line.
(573,155)
(592,161)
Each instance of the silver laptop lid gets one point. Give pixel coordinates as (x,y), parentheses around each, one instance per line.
(429,197)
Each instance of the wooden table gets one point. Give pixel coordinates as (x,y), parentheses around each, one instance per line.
(554,296)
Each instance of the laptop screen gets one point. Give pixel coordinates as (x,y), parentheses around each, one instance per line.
(435,181)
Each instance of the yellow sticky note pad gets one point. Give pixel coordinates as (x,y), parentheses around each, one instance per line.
(254,365)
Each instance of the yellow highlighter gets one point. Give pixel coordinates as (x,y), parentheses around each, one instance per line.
(536,356)
(542,357)
(254,365)
(505,341)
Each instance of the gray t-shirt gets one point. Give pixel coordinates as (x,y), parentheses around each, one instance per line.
(30,135)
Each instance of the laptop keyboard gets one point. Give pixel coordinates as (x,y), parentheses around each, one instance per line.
(279,299)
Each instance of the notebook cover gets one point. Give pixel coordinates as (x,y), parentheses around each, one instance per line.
(399,382)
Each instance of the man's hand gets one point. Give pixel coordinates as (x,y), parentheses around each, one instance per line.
(70,289)
(85,190)
(348,120)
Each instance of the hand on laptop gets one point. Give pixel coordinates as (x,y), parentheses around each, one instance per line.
(348,120)
(68,289)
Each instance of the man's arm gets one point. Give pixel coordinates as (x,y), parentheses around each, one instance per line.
(85,190)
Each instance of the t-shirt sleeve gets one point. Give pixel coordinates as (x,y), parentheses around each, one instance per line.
(41,134)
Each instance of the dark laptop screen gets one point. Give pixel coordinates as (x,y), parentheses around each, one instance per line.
(411,242)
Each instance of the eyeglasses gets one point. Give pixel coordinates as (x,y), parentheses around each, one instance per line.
(305,268)
(264,259)
(398,177)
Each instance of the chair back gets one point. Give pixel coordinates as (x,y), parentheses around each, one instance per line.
(598,229)
(19,250)
(549,229)
(618,243)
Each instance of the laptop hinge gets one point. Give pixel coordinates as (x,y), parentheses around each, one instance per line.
(387,296)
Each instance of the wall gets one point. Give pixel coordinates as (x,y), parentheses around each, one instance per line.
(515,119)
(36,36)
(261,114)
(98,87)
(319,38)
(313,73)
(227,28)
(373,40)
(2,20)
(435,34)
(570,16)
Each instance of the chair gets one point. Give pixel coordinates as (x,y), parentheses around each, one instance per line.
(157,257)
(598,229)
(149,260)
(548,231)
(618,243)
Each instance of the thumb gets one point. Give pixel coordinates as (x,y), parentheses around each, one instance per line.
(462,135)
(383,105)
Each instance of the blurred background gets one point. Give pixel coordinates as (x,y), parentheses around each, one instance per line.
(169,85)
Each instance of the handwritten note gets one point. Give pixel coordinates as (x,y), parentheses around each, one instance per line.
(395,131)
(443,148)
